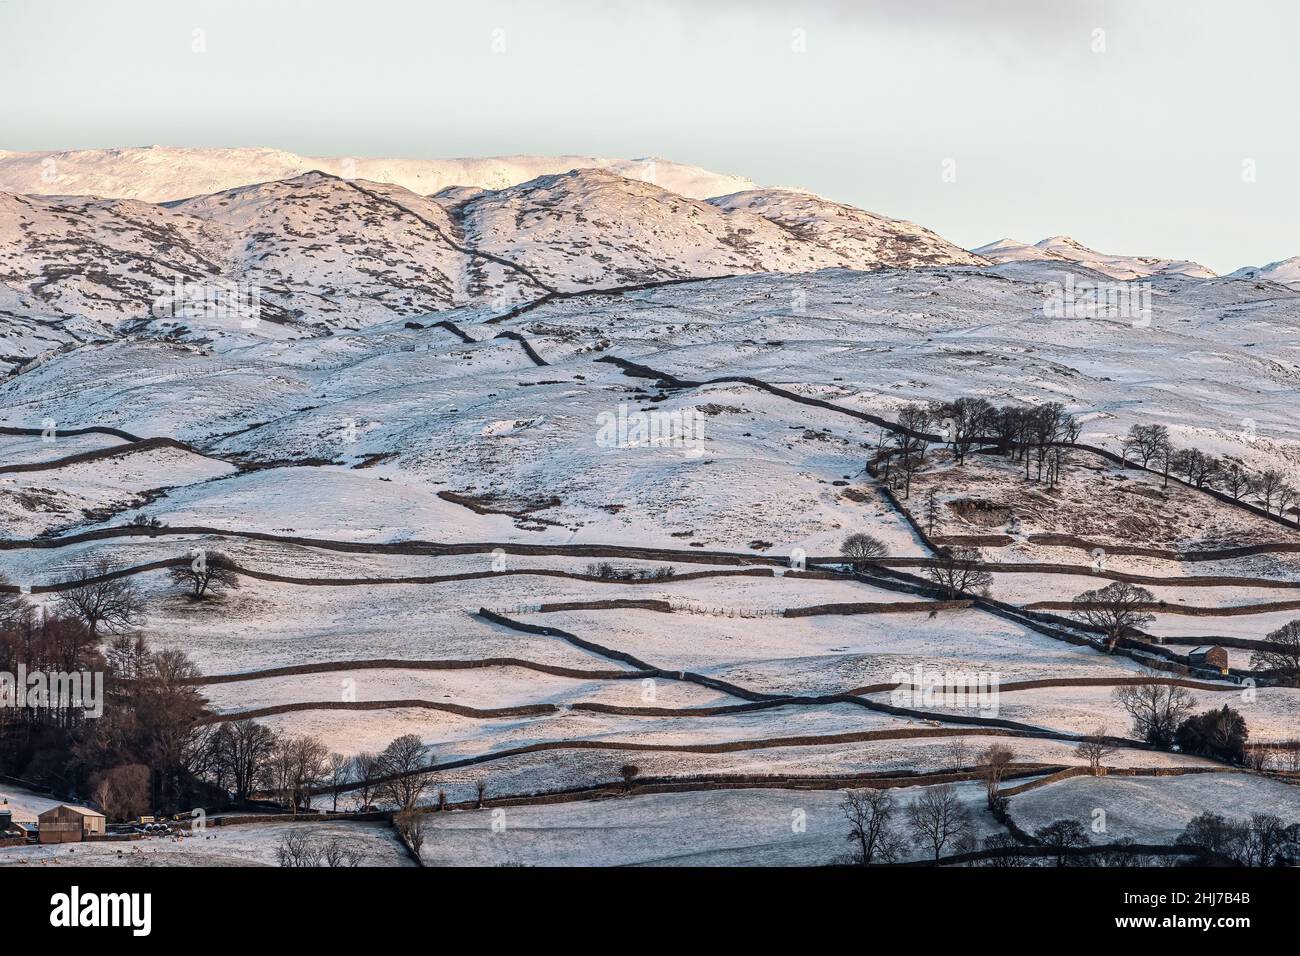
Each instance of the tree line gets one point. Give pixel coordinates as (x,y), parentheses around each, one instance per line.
(1151,446)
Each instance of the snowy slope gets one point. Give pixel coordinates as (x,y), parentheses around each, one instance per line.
(348,252)
(863,238)
(103,260)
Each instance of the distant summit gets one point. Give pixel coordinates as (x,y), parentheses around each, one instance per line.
(1067,249)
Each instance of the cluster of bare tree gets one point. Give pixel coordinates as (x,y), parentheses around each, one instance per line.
(245,758)
(1061,835)
(936,820)
(300,848)
(1038,435)
(1263,840)
(1162,715)
(907,447)
(143,752)
(1152,447)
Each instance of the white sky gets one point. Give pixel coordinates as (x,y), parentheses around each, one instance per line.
(1138,149)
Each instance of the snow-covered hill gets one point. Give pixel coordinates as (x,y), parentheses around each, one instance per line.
(1065,249)
(1285,271)
(861,237)
(102,260)
(322,253)
(590,228)
(164,173)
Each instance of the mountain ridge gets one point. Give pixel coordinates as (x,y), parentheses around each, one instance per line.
(170,173)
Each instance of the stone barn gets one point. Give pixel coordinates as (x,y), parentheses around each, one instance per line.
(1210,655)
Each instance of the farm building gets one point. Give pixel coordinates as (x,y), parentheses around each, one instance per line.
(1210,655)
(67,823)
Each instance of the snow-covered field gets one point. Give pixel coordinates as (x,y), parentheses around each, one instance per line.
(376,415)
(1154,809)
(252,844)
(714,828)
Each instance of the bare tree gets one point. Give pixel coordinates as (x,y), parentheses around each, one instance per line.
(296,767)
(13,606)
(1051,430)
(243,748)
(861,549)
(367,768)
(103,599)
(912,418)
(1286,495)
(870,814)
(995,760)
(123,792)
(911,446)
(956,752)
(310,760)
(1156,707)
(1236,481)
(337,853)
(339,773)
(1280,652)
(1094,748)
(1197,467)
(208,572)
(298,848)
(1063,836)
(938,819)
(405,762)
(1267,484)
(1146,442)
(629,773)
(167,710)
(931,511)
(957,571)
(1115,610)
(412,827)
(480,793)
(964,422)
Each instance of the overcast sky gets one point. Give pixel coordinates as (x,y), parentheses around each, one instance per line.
(1173,132)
